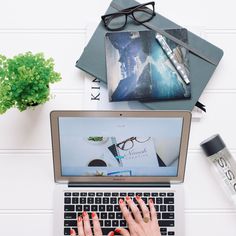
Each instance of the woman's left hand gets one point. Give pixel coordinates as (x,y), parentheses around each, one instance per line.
(84,227)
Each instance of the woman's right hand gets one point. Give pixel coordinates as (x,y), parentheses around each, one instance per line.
(138,225)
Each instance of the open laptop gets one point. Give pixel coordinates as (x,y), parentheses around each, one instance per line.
(102,156)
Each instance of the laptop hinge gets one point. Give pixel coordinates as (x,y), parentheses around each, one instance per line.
(134,185)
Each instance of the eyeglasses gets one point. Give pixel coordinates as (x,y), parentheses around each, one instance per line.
(140,13)
(129,143)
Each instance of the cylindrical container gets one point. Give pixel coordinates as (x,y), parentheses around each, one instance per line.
(222,162)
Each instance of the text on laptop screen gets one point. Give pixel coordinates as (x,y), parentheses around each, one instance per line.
(120,146)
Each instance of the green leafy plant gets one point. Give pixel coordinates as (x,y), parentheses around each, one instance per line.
(95,138)
(24,80)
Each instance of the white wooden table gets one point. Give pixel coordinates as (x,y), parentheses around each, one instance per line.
(60,30)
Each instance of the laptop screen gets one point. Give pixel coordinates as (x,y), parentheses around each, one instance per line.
(119,146)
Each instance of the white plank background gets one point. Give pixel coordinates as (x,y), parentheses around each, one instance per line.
(59,28)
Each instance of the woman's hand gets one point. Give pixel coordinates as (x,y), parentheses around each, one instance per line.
(84,227)
(138,225)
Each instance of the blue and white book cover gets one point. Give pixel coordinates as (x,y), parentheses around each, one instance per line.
(139,69)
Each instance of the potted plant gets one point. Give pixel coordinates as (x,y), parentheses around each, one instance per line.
(24,80)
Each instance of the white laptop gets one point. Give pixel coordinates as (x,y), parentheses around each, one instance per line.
(102,156)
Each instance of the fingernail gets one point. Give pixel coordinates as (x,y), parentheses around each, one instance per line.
(150,200)
(112,233)
(127,198)
(79,218)
(117,230)
(71,231)
(121,201)
(93,214)
(137,197)
(84,213)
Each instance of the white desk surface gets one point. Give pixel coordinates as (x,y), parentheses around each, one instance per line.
(59,28)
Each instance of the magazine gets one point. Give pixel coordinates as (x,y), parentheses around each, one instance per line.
(139,69)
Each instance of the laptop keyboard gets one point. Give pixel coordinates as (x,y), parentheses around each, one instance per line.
(106,205)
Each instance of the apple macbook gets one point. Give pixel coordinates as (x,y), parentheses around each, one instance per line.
(100,157)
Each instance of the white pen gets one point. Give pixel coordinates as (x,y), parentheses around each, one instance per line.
(179,67)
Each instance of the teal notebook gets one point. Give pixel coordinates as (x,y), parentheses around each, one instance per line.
(203,56)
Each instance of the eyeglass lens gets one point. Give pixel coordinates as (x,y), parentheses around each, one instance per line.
(116,21)
(142,14)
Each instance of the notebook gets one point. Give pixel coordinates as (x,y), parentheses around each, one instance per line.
(100,157)
(200,68)
(139,69)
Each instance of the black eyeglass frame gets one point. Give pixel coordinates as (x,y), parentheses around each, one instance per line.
(126,12)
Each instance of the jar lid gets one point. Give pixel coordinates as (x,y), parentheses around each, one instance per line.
(212,145)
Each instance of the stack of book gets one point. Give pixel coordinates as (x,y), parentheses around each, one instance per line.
(142,68)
